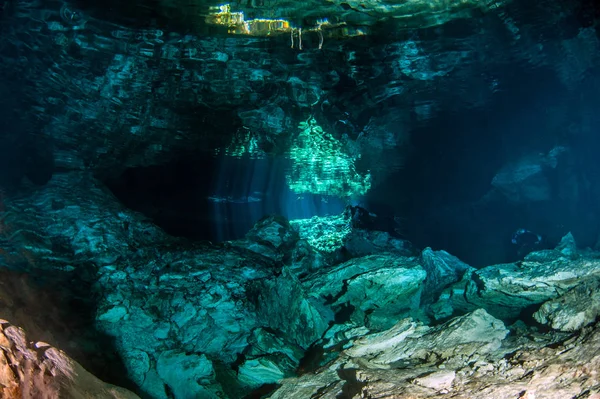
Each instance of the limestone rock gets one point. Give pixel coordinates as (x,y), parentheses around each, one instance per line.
(567,246)
(188,375)
(554,371)
(506,290)
(378,289)
(210,320)
(269,357)
(256,372)
(272,237)
(365,242)
(439,381)
(574,310)
(305,317)
(90,94)
(442,270)
(408,343)
(37,370)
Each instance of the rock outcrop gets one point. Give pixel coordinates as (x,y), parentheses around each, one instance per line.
(567,369)
(38,370)
(221,320)
(507,290)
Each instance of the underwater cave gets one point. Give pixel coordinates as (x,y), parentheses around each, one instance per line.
(299,199)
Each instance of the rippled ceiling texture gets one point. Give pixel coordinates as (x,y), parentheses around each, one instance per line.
(340,90)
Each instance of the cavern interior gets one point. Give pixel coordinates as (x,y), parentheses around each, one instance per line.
(322,199)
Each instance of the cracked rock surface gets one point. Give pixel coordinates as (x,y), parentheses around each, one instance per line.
(35,331)
(221,320)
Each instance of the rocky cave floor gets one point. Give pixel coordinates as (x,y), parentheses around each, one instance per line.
(313,309)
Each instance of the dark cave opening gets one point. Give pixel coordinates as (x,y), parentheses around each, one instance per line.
(174,195)
(442,195)
(216,198)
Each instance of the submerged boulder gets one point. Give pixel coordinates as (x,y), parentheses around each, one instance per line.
(577,308)
(567,246)
(366,242)
(375,290)
(507,290)
(409,343)
(272,236)
(442,270)
(284,304)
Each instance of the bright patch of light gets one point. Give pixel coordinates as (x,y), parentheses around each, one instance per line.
(321,166)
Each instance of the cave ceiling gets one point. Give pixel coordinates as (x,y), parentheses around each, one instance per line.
(112,85)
